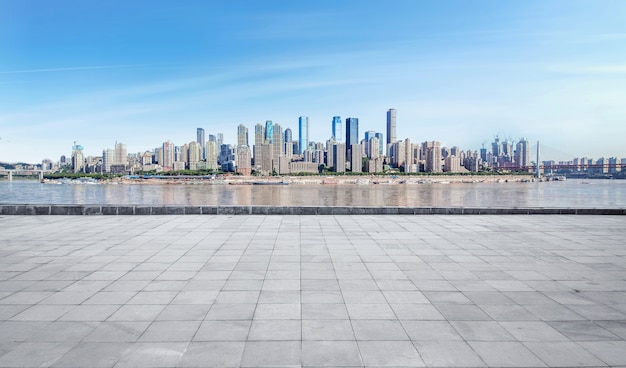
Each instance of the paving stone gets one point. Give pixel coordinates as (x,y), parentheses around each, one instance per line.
(506,354)
(559,354)
(212,354)
(390,354)
(223,331)
(448,354)
(330,354)
(272,354)
(296,290)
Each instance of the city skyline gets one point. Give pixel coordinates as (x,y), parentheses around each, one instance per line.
(457,72)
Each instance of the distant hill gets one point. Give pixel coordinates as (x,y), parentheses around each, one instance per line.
(13,164)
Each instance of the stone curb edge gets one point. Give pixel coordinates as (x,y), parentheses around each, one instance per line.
(26,209)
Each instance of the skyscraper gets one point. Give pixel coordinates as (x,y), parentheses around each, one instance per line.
(352,131)
(278,146)
(242,135)
(368,136)
(522,153)
(168,156)
(337,129)
(259,140)
(121,156)
(201,141)
(303,133)
(269,132)
(391,126)
(381,142)
(78,158)
(108,159)
(339,157)
(220,139)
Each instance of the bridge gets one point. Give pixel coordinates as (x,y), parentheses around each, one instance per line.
(22,172)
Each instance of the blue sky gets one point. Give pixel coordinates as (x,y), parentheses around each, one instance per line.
(142,72)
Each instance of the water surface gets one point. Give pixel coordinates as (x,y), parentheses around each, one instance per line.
(566,194)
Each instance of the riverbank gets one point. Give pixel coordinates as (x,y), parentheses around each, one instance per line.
(315,180)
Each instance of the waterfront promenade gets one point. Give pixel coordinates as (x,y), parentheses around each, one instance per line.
(312,291)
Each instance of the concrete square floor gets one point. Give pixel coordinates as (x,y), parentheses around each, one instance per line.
(312,291)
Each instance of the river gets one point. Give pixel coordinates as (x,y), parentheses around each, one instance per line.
(561,194)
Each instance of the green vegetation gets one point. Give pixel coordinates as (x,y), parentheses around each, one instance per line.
(66,175)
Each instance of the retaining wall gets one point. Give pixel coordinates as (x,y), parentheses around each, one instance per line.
(24,209)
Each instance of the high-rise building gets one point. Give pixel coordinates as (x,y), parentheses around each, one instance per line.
(381,143)
(522,153)
(242,135)
(211,155)
(269,132)
(244,160)
(279,147)
(368,135)
(352,131)
(108,159)
(201,140)
(391,126)
(373,150)
(356,158)
(337,129)
(339,157)
(168,156)
(288,135)
(432,151)
(259,140)
(194,154)
(288,142)
(121,155)
(303,133)
(220,139)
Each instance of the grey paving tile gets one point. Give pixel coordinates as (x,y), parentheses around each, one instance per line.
(137,312)
(533,331)
(448,354)
(508,312)
(563,354)
(277,311)
(272,354)
(331,354)
(370,311)
(12,331)
(64,332)
(117,332)
(43,313)
(324,311)
(90,313)
(610,352)
(184,312)
(462,312)
(223,331)
(506,354)
(34,354)
(321,296)
(162,331)
(424,312)
(152,354)
(390,354)
(275,329)
(482,331)
(327,330)
(97,355)
(431,330)
(212,354)
(226,311)
(616,327)
(387,330)
(583,331)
